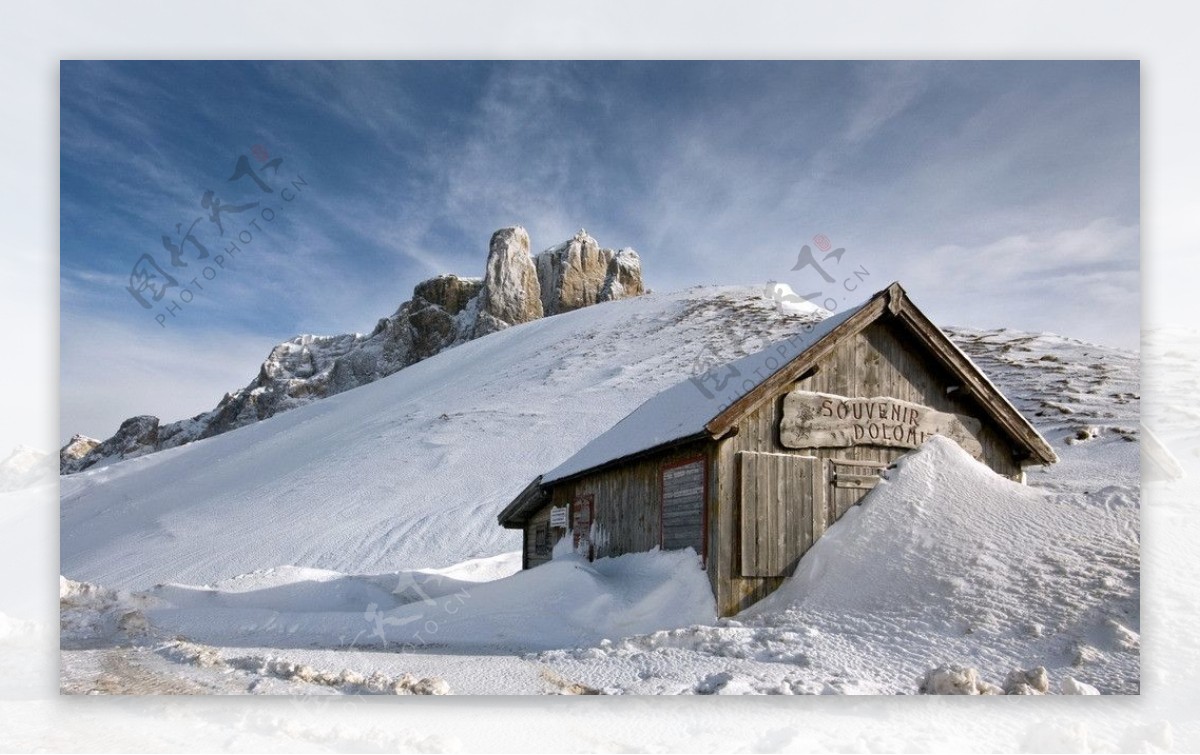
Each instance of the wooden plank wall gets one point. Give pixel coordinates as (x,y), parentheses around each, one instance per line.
(781,513)
(880,361)
(683,505)
(532,558)
(626,502)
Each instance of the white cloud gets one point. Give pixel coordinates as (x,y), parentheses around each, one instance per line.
(1080,282)
(1027,257)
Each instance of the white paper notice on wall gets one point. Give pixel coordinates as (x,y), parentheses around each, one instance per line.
(558,517)
(826,420)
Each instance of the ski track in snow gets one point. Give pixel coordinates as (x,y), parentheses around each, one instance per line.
(369,489)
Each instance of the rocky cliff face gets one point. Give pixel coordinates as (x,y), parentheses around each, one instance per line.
(510,294)
(443,312)
(70,456)
(578,273)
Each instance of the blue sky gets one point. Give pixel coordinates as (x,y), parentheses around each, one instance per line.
(999,194)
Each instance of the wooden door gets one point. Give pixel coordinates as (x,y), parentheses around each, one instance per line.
(783,510)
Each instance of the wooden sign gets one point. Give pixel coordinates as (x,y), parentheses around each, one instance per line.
(558,517)
(825,420)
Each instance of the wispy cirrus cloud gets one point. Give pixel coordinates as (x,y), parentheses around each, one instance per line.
(715,172)
(887,91)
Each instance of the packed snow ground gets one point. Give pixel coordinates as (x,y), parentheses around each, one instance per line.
(359,495)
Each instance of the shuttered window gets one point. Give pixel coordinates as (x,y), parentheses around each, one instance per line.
(783,511)
(684,489)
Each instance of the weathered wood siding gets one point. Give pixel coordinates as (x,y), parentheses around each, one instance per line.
(782,510)
(880,361)
(683,487)
(532,557)
(627,503)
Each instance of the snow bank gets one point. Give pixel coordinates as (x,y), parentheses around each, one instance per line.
(90,614)
(564,603)
(951,679)
(956,680)
(1071,687)
(345,681)
(945,532)
(948,549)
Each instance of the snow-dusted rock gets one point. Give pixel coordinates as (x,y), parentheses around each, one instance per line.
(429,686)
(510,293)
(579,273)
(624,276)
(1070,686)
(136,436)
(76,449)
(1034,681)
(450,292)
(950,679)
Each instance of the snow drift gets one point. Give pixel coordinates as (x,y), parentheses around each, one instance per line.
(565,603)
(945,565)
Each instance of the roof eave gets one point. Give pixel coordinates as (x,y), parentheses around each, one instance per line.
(516,514)
(724,422)
(652,451)
(535,495)
(980,387)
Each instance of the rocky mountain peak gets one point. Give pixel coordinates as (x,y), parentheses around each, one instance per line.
(450,292)
(510,294)
(444,311)
(578,272)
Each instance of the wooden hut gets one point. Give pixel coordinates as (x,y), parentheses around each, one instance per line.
(749,463)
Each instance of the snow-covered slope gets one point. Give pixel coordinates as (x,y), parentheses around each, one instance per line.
(317,532)
(443,312)
(409,471)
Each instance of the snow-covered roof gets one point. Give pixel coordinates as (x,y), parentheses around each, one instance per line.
(708,405)
(683,410)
